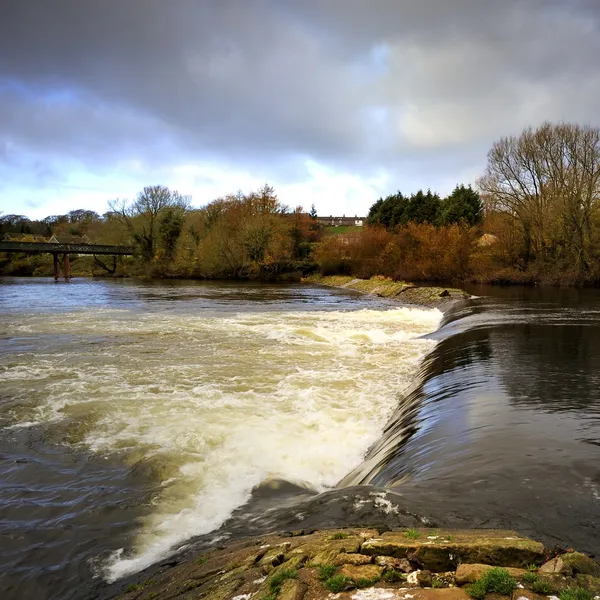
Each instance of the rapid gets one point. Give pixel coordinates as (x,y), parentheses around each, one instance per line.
(192,395)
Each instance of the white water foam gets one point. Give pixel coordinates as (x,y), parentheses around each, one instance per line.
(214,406)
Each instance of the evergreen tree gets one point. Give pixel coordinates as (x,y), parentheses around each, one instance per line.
(424,208)
(463,204)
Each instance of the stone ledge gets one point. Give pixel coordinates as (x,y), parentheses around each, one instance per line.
(361,564)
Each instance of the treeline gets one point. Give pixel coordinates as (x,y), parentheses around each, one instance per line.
(463,205)
(250,235)
(532,218)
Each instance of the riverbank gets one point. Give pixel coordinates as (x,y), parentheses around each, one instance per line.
(384,287)
(369,564)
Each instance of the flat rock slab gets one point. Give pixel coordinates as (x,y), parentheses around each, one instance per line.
(470,573)
(444,550)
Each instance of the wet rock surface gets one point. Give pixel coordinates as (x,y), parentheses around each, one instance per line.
(366,564)
(386,288)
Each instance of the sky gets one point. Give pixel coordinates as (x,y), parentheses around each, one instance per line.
(333,102)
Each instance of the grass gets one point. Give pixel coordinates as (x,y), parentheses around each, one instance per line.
(363,582)
(542,587)
(437,583)
(277,580)
(497,581)
(340,535)
(337,583)
(450,538)
(202,559)
(393,576)
(412,534)
(326,572)
(537,585)
(532,568)
(576,594)
(133,587)
(529,578)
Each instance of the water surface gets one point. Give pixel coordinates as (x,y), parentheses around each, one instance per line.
(141,418)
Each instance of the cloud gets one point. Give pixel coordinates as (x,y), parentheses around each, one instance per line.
(417,91)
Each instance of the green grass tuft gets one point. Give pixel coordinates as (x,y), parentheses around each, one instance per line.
(326,571)
(532,568)
(338,583)
(412,534)
(277,580)
(529,578)
(537,585)
(202,559)
(496,580)
(393,576)
(437,583)
(363,582)
(340,535)
(541,586)
(576,594)
(477,590)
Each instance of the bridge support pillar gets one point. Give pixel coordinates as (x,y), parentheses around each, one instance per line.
(66,266)
(56,269)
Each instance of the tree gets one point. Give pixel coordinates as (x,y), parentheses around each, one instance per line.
(313,212)
(423,208)
(152,218)
(547,181)
(463,204)
(389,212)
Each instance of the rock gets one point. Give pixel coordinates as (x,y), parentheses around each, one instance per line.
(577,562)
(383,593)
(351,559)
(424,578)
(520,594)
(357,572)
(493,547)
(398,564)
(292,589)
(556,565)
(466,573)
(271,559)
(444,294)
(588,582)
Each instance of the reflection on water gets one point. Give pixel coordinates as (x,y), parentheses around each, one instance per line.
(506,429)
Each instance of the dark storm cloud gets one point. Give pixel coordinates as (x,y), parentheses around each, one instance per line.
(262,81)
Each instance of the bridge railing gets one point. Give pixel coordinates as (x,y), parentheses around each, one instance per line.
(41,247)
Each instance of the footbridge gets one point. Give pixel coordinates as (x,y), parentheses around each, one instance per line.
(65,250)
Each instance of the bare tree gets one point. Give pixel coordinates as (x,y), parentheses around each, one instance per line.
(548,181)
(150,217)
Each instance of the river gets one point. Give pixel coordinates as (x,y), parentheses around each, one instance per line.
(139,418)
